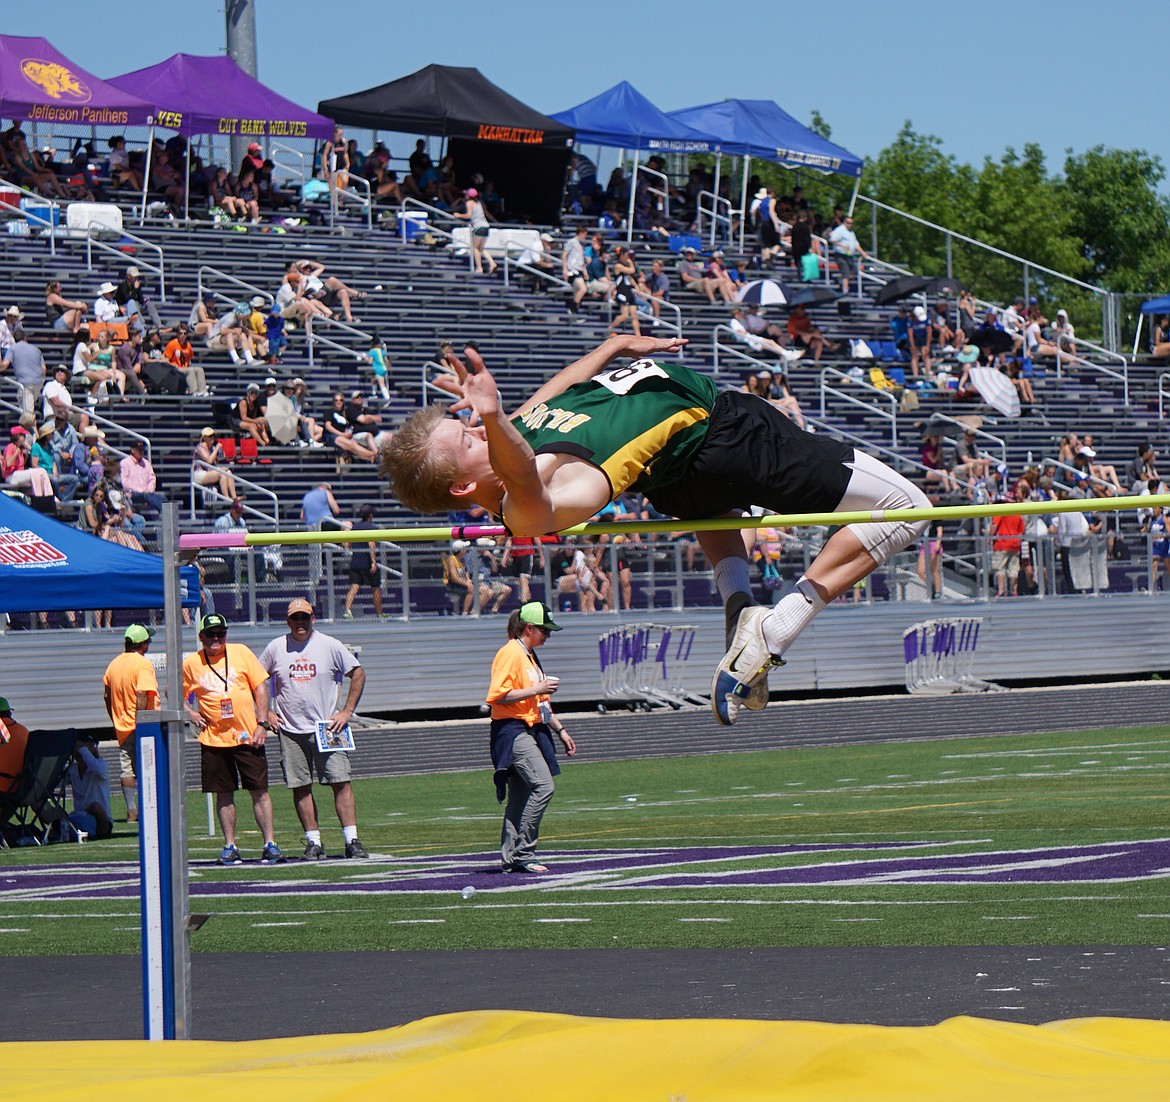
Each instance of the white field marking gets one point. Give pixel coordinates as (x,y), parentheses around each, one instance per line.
(1153,916)
(416,922)
(897,776)
(1000,990)
(742,787)
(1092,761)
(702,920)
(1009,918)
(130,903)
(1005,866)
(37,894)
(15,930)
(1051,751)
(455,809)
(1009,1008)
(793,784)
(258,925)
(685,791)
(948,773)
(692,903)
(562,921)
(855,920)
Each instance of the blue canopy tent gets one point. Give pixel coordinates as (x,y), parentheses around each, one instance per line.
(47,566)
(760,128)
(1160,305)
(621,116)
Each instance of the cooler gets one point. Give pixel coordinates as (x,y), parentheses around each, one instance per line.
(40,215)
(9,197)
(412,224)
(82,215)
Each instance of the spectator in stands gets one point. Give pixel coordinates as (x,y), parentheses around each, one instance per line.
(7,340)
(945,338)
(380,367)
(166,180)
(328,289)
(476,215)
(138,479)
(336,161)
(248,195)
(295,305)
(256,327)
(83,366)
(121,174)
(270,196)
(691,275)
(16,467)
(180,354)
(1022,383)
(597,278)
(1154,526)
(253,160)
(101,363)
(846,249)
(716,274)
(384,183)
(319,510)
(900,329)
(802,331)
(55,398)
(1107,472)
(1014,319)
(209,465)
(13,743)
(232,519)
(966,310)
(457,578)
(775,389)
(29,170)
(41,458)
(1006,533)
(129,360)
(251,416)
(340,432)
(759,343)
(64,315)
(134,301)
(1160,345)
(204,315)
(625,272)
(105,308)
(306,425)
(68,451)
(274,334)
(802,239)
(221,196)
(969,464)
(364,421)
(233,334)
(658,286)
(573,265)
(1141,468)
(537,254)
(1064,334)
(28,369)
(921,335)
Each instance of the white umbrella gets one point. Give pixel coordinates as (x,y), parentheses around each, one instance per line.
(282,419)
(763,292)
(996,389)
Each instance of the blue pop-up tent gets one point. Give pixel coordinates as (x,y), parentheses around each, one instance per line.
(47,566)
(760,128)
(621,116)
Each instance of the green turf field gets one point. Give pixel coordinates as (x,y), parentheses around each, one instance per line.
(636,829)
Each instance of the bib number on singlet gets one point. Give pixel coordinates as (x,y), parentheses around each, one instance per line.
(621,380)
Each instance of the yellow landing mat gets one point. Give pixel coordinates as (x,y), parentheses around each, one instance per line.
(507,1056)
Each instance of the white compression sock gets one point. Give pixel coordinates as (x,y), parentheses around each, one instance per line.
(731,576)
(791,616)
(313,836)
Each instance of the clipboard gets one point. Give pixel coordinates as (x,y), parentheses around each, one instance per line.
(329,742)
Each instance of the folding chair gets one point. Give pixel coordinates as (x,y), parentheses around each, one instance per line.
(37,800)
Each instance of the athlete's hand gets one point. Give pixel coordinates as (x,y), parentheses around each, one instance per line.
(649,346)
(480,394)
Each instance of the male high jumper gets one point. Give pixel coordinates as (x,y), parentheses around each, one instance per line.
(594,431)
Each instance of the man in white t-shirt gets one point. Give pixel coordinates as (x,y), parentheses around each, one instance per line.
(55,396)
(305,667)
(104,307)
(846,249)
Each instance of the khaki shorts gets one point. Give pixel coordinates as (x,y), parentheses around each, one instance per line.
(300,759)
(127,757)
(216,343)
(1006,562)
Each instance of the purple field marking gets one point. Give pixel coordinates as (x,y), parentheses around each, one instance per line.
(653,867)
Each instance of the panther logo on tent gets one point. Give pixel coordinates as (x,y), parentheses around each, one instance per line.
(27,549)
(57,81)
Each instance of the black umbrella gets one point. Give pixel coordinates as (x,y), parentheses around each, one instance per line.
(806,295)
(944,285)
(899,288)
(994,341)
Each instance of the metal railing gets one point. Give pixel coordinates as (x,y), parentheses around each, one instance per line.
(429,390)
(662,192)
(336,192)
(980,433)
(29,216)
(1116,357)
(651,318)
(91,241)
(227,277)
(714,213)
(313,337)
(210,492)
(299,172)
(744,338)
(868,404)
(539,273)
(1109,325)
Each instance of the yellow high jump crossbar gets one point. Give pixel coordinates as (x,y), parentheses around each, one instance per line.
(199,541)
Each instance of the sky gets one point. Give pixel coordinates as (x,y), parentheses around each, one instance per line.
(1065,74)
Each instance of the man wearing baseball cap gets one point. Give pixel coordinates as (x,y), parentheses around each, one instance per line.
(523,723)
(13,742)
(304,669)
(226,697)
(131,685)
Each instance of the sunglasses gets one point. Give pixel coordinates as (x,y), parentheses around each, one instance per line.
(300,616)
(220,633)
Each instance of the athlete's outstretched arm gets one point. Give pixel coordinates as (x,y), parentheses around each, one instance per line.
(618,345)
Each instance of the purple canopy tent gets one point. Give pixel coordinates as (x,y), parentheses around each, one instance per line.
(213,95)
(40,84)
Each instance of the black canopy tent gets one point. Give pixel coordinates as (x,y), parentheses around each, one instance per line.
(487,131)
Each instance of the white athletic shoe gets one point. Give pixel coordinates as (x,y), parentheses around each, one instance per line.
(741,679)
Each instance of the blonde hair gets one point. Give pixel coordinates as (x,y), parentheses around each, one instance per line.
(420,476)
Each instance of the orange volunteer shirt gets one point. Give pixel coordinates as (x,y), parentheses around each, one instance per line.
(128,675)
(223,693)
(12,753)
(515,668)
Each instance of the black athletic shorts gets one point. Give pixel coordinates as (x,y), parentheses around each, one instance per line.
(754,455)
(226,768)
(368,575)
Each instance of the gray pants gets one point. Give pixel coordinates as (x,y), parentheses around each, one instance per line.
(530,788)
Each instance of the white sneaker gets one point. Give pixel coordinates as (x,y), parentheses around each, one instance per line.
(741,678)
